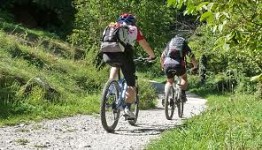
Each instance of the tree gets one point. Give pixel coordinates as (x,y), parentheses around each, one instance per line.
(238,24)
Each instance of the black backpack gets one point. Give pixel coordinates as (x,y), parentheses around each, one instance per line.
(114,38)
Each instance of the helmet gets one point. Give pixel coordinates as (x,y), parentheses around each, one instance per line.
(127,18)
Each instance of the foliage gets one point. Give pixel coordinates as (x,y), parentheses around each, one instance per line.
(258,79)
(92,16)
(234,29)
(238,24)
(147,95)
(67,85)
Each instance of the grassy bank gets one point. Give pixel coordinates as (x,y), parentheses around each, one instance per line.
(231,122)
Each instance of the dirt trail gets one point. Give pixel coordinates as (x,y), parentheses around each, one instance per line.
(85,132)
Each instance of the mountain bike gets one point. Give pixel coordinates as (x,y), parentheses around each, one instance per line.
(113,101)
(173,98)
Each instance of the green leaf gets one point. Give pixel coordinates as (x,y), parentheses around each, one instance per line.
(257,78)
(226,46)
(220,27)
(206,15)
(214,28)
(201,5)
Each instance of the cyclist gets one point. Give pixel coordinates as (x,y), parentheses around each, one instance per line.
(173,57)
(127,64)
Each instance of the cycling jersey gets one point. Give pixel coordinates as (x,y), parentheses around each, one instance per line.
(134,35)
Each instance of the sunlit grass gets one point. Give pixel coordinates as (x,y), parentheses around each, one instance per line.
(231,122)
(31,111)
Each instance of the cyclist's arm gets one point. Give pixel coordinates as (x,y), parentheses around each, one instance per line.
(191,55)
(194,62)
(163,56)
(145,45)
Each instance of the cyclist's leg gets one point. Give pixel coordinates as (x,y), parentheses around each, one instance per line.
(115,61)
(169,82)
(184,85)
(113,72)
(184,81)
(170,78)
(128,70)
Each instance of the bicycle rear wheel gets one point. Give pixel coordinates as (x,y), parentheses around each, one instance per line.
(108,107)
(135,109)
(180,104)
(169,103)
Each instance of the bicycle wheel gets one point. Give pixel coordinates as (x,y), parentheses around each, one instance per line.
(169,103)
(180,104)
(135,109)
(108,106)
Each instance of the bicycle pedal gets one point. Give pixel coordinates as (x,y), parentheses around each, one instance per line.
(163,102)
(127,117)
(115,111)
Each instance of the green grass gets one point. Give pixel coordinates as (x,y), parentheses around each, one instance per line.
(230,122)
(29,111)
(26,54)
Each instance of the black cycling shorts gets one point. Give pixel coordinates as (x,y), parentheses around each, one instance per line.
(172,71)
(124,60)
(174,67)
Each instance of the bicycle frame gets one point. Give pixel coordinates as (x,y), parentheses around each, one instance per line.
(122,91)
(123,87)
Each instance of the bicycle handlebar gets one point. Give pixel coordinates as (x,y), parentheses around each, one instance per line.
(143,59)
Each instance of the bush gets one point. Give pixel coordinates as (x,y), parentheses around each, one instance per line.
(147,95)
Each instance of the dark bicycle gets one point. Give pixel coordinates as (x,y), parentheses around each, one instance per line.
(173,98)
(113,101)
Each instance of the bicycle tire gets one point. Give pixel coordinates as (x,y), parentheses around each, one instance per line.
(135,109)
(180,105)
(168,103)
(105,103)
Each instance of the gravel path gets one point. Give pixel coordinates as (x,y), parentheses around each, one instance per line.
(85,132)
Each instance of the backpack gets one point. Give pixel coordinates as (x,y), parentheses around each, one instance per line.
(114,38)
(175,48)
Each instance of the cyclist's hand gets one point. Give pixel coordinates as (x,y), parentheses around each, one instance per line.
(151,59)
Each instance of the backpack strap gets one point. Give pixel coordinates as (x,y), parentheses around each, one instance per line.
(104,33)
(118,39)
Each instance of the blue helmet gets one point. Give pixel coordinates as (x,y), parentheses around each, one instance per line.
(127,18)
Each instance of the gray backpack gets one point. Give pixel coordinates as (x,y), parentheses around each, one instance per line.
(114,39)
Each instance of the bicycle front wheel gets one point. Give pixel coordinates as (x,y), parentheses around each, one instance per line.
(135,109)
(169,103)
(108,107)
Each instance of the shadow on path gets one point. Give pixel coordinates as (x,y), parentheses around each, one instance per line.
(146,129)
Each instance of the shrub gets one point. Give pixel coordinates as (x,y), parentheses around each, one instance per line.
(147,95)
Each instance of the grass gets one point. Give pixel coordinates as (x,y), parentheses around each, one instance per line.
(26,112)
(26,54)
(230,122)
